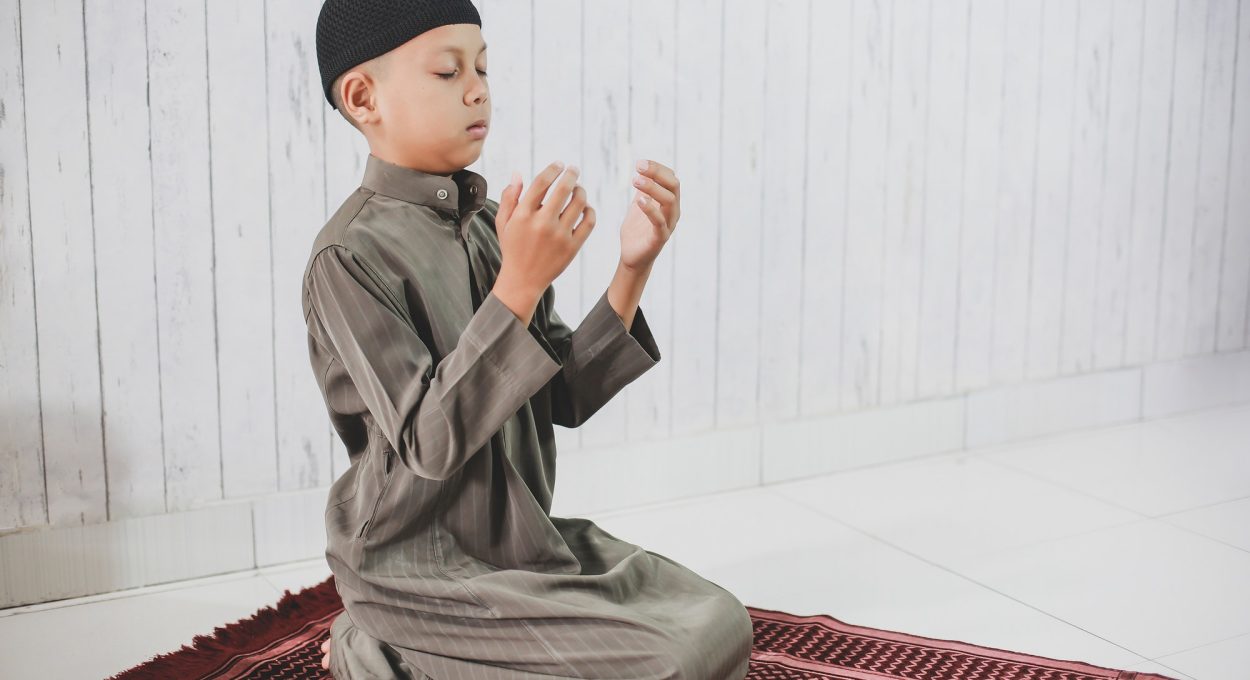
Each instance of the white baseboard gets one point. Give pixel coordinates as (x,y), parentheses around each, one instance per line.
(46,564)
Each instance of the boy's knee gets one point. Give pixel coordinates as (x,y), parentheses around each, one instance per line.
(356,655)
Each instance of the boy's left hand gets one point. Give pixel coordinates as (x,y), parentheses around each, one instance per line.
(647,227)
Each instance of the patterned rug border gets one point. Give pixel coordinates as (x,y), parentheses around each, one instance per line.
(940,644)
(216,654)
(209,655)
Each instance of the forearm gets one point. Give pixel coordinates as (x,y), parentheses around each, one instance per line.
(625,291)
(434,416)
(496,367)
(605,353)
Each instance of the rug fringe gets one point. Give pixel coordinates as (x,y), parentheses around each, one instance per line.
(209,652)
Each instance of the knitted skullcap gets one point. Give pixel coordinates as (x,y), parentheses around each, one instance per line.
(351,32)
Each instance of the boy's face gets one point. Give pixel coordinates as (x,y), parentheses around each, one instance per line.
(431,90)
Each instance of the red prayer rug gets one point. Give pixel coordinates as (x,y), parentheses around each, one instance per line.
(284,641)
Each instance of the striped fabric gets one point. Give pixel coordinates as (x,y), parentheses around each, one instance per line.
(440,535)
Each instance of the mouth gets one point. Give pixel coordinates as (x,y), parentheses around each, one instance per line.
(479,123)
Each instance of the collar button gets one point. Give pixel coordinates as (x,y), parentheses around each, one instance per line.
(442,193)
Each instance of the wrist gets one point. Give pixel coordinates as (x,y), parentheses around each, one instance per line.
(520,297)
(637,270)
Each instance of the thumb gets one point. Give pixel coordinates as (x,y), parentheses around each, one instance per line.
(508,202)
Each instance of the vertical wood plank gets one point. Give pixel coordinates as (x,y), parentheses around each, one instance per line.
(1210,201)
(185,270)
(21,449)
(1233,328)
(904,201)
(1150,178)
(1182,179)
(1118,202)
(982,159)
(1088,173)
(943,200)
(63,247)
(870,95)
(126,290)
(1016,192)
(699,124)
(742,215)
(554,92)
(1050,209)
(240,209)
(605,107)
(296,211)
(653,77)
(825,206)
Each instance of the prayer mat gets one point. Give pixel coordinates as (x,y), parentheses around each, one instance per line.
(284,641)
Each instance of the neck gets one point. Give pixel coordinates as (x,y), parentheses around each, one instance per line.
(389,158)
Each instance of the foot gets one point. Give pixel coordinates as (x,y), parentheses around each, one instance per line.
(325,654)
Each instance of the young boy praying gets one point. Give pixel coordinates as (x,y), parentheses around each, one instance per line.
(435,342)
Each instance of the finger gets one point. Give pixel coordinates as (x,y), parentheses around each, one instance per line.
(559,193)
(574,209)
(653,210)
(325,662)
(533,199)
(655,190)
(508,202)
(584,227)
(660,173)
(325,645)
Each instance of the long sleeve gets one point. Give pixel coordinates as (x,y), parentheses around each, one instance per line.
(598,359)
(435,417)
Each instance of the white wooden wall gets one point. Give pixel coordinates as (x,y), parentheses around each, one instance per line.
(884,202)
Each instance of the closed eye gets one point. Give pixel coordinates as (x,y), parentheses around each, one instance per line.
(446,76)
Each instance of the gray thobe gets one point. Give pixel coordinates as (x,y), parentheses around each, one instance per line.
(439,535)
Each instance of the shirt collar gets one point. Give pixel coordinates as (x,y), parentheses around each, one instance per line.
(462,194)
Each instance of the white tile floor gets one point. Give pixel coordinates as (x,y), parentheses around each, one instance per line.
(1126,547)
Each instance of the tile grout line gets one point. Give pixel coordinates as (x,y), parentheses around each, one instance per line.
(905,551)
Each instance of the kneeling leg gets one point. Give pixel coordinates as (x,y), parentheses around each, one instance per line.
(356,655)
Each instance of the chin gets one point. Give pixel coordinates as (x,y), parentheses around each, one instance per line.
(470,155)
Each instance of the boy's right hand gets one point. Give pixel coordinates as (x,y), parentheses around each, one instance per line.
(538,234)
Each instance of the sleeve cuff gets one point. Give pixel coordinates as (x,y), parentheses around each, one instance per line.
(524,359)
(603,334)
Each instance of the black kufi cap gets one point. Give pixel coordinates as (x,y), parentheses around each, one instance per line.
(351,32)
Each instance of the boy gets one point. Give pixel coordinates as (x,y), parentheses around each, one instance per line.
(444,366)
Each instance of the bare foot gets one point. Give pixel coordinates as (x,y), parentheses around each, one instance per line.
(325,654)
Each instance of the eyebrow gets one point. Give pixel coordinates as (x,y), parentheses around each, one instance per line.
(457,50)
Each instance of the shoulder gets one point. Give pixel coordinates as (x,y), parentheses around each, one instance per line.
(370,225)
(336,275)
(347,246)
(335,228)
(334,232)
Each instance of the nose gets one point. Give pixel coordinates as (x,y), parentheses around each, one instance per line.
(480,90)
